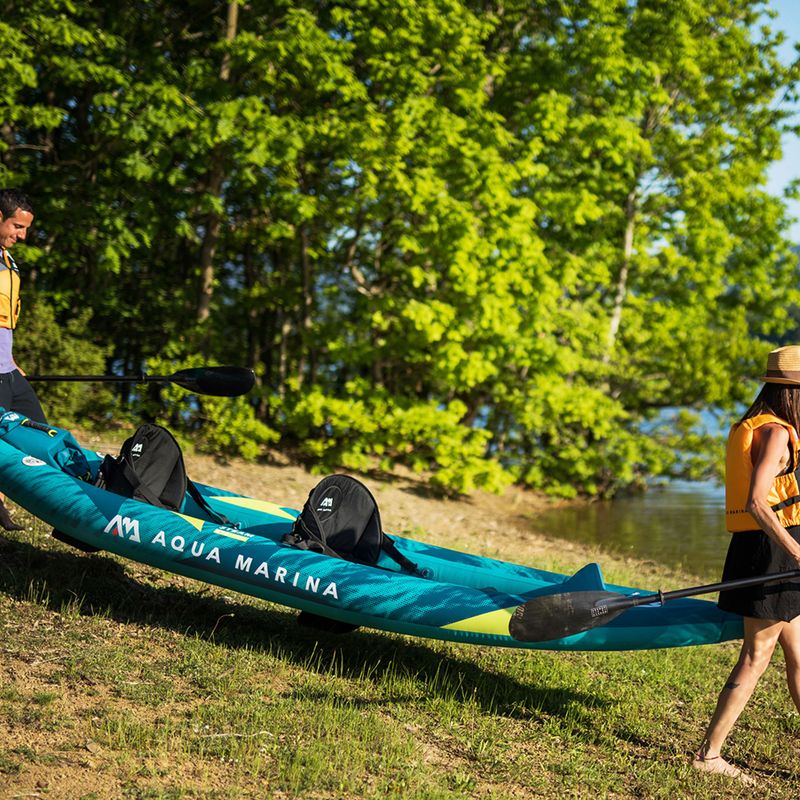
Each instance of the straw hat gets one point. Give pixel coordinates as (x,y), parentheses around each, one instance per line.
(783,365)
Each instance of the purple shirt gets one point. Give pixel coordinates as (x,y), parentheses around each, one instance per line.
(6,334)
(6,358)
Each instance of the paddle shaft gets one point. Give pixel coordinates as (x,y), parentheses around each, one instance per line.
(216,381)
(141,378)
(737,583)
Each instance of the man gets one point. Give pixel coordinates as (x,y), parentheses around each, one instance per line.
(16,394)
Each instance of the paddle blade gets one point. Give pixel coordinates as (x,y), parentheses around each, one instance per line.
(216,381)
(554,616)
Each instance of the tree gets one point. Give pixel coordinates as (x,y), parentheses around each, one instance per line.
(662,122)
(465,236)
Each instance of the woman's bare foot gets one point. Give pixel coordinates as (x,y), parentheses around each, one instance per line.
(719,766)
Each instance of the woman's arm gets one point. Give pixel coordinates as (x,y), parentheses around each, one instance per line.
(769,452)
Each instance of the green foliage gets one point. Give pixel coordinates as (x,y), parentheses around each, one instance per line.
(230,427)
(478,238)
(220,425)
(369,428)
(578,441)
(43,346)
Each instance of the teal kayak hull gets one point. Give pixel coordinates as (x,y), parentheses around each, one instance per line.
(461,597)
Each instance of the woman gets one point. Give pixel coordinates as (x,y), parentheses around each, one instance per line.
(762,507)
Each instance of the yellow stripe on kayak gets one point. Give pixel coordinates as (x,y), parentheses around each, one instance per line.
(231,534)
(197,523)
(256,505)
(240,537)
(495,622)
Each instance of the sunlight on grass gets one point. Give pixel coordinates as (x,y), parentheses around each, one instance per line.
(150,687)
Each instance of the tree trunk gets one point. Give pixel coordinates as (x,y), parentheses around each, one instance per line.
(307,360)
(216,177)
(650,123)
(631,210)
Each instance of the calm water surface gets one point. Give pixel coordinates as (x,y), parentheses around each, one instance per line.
(681,524)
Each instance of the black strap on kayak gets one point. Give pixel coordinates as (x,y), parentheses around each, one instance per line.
(390,548)
(203,503)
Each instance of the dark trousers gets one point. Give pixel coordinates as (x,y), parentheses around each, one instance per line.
(16,394)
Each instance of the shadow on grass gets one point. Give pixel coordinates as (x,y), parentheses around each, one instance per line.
(57,577)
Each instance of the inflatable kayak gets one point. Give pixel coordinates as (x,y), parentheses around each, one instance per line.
(456,596)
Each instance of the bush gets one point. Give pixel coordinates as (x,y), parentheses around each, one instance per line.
(45,346)
(218,425)
(368,428)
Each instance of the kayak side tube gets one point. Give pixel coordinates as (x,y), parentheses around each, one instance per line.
(368,596)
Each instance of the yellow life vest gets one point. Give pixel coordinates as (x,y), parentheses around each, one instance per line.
(784,495)
(9,291)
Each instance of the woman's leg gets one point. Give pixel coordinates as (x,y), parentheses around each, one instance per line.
(760,638)
(790,644)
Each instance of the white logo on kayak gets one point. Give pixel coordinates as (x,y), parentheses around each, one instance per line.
(282,575)
(128,528)
(124,527)
(30,461)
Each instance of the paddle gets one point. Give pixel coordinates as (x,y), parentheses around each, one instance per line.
(215,381)
(554,616)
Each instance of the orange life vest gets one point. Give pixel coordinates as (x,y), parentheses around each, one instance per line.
(783,497)
(9,291)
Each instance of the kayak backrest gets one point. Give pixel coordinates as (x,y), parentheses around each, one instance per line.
(341,518)
(150,468)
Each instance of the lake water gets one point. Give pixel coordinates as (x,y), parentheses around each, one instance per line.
(681,524)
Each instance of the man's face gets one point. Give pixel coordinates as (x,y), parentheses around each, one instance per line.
(14,228)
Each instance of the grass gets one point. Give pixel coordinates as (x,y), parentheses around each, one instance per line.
(121,681)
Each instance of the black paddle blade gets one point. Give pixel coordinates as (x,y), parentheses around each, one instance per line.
(554,616)
(215,381)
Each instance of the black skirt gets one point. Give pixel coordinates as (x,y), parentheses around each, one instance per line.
(753,553)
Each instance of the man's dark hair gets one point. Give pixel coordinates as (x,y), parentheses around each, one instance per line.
(13,199)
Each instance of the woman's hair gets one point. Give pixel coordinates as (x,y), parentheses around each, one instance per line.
(782,400)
